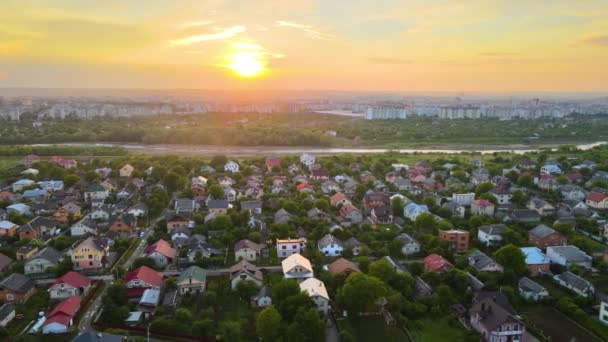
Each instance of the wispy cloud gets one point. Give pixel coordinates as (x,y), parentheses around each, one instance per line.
(311,31)
(597,40)
(216,35)
(389,60)
(191,24)
(498,54)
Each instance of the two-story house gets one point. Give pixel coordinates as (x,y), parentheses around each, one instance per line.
(90,254)
(297,267)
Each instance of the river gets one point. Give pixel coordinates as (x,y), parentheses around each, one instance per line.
(208,150)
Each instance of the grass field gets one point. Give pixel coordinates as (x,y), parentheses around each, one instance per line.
(440,330)
(556,325)
(371,329)
(8,162)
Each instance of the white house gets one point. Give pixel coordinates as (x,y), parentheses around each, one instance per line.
(317,291)
(70,284)
(264,297)
(491,235)
(603,314)
(550,169)
(568,256)
(297,267)
(21,184)
(330,245)
(409,244)
(464,199)
(231,166)
(307,159)
(7,314)
(287,247)
(83,227)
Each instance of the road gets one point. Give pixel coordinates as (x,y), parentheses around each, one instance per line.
(93,309)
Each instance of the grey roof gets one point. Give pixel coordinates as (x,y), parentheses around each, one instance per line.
(6,310)
(529,285)
(193,272)
(475,283)
(494,229)
(186,204)
(574,281)
(570,253)
(405,238)
(542,231)
(251,205)
(352,243)
(4,261)
(479,260)
(217,204)
(494,310)
(17,282)
(327,240)
(265,291)
(48,253)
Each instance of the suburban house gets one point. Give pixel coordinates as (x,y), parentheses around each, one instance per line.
(263,298)
(483,263)
(353,245)
(330,245)
(342,266)
(375,199)
(409,245)
(568,256)
(436,263)
(287,247)
(338,199)
(244,270)
(5,261)
(191,280)
(37,228)
(126,170)
(123,225)
(142,278)
(307,159)
(297,267)
(463,199)
(543,237)
(536,261)
(19,185)
(161,252)
(350,213)
(176,220)
(61,319)
(29,160)
(67,212)
(458,239)
(597,200)
(381,215)
(493,317)
(503,195)
(26,252)
(248,250)
(550,169)
(96,192)
(41,261)
(482,207)
(531,290)
(412,210)
(90,254)
(317,291)
(575,283)
(70,284)
(491,235)
(542,207)
(602,315)
(8,228)
(253,207)
(84,227)
(16,288)
(231,166)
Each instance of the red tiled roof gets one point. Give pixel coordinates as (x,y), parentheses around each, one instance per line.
(435,262)
(147,275)
(64,311)
(74,279)
(596,197)
(303,186)
(162,247)
(273,162)
(483,203)
(6,195)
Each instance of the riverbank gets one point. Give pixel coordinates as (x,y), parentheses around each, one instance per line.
(210,150)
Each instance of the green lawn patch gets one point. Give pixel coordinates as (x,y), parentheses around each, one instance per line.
(38,302)
(371,329)
(428,330)
(555,325)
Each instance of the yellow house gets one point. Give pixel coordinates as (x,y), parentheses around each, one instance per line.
(109,186)
(62,214)
(90,254)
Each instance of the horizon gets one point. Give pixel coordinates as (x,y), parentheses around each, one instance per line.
(392,46)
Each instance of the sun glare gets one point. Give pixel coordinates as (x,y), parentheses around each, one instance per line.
(247,63)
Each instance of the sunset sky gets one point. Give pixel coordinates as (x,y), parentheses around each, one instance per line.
(402,45)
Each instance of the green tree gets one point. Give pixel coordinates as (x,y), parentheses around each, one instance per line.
(360,293)
(70,180)
(183,315)
(267,324)
(382,270)
(216,191)
(397,206)
(246,289)
(283,290)
(482,188)
(511,258)
(231,331)
(143,261)
(307,326)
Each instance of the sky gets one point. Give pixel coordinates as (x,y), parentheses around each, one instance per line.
(380,45)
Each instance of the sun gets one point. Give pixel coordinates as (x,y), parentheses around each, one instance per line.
(247,63)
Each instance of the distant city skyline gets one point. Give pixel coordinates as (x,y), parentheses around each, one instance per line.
(382,46)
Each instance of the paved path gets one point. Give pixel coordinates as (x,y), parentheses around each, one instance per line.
(331,330)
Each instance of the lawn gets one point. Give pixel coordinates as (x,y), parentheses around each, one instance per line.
(6,162)
(428,330)
(371,329)
(556,325)
(38,302)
